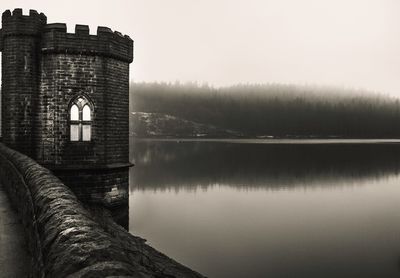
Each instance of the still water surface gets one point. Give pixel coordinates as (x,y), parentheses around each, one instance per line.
(270,210)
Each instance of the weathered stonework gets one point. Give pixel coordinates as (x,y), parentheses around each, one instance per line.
(65,239)
(44,69)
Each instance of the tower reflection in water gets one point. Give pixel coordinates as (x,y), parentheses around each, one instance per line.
(105,189)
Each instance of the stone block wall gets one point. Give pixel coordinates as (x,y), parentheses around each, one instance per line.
(63,77)
(65,239)
(96,66)
(20,76)
(117,122)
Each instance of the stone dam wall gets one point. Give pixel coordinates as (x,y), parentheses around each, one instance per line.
(68,240)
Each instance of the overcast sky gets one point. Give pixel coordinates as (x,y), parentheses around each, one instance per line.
(350,43)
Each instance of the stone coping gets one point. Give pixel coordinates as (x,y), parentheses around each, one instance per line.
(65,239)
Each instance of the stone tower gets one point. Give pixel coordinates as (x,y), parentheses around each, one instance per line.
(65,101)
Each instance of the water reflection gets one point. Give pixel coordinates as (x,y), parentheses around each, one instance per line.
(103,191)
(166,165)
(250,210)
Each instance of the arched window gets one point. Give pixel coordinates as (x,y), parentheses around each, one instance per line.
(80,120)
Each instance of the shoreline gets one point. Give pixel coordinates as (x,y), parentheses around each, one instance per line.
(271,141)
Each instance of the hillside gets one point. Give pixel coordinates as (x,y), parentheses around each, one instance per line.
(280,111)
(147,125)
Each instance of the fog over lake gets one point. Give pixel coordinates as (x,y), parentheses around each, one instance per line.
(350,43)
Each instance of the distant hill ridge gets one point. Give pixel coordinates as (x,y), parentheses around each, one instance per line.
(273,110)
(148,125)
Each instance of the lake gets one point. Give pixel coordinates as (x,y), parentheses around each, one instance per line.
(287,209)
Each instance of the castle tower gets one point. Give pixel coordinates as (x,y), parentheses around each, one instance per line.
(20,43)
(65,101)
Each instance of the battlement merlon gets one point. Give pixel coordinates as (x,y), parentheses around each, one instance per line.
(16,23)
(55,39)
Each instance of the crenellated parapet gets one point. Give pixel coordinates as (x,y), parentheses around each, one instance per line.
(106,43)
(55,39)
(16,23)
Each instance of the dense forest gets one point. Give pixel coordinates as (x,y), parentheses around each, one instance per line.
(275,110)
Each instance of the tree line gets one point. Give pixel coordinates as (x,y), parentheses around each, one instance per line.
(275,110)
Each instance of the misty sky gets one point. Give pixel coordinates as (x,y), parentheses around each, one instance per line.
(351,43)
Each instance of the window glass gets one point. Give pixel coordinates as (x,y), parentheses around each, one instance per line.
(86,132)
(81,120)
(74,132)
(74,113)
(86,113)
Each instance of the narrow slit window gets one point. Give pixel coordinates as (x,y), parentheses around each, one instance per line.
(81,120)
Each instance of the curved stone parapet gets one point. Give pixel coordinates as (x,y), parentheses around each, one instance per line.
(65,239)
